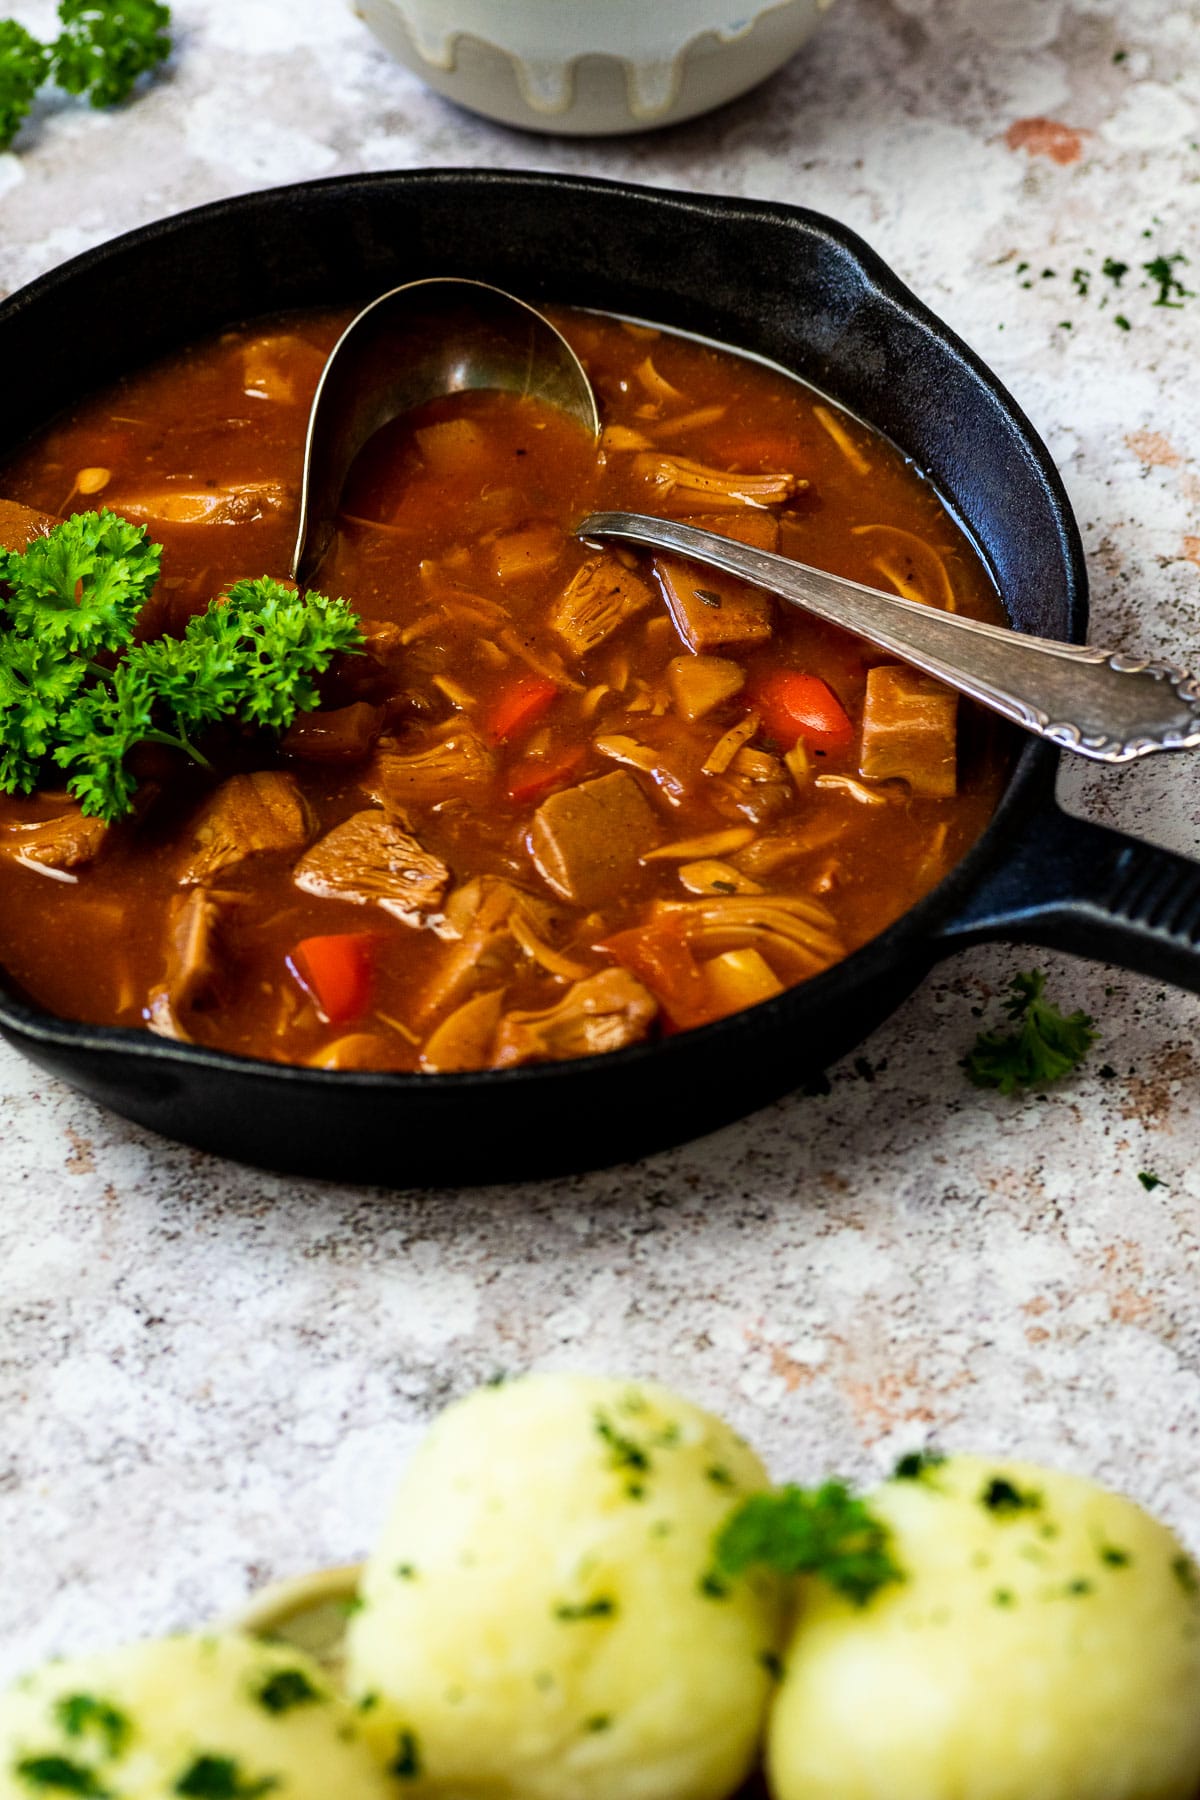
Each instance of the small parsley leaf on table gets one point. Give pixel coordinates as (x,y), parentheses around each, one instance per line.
(1046,1044)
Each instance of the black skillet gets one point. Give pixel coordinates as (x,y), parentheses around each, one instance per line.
(788,284)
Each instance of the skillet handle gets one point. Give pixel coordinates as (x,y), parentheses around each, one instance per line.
(1093,892)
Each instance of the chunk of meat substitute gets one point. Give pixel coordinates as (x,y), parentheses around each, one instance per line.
(248,815)
(194,962)
(19,525)
(602,1012)
(370,861)
(909,731)
(596,601)
(56,847)
(457,763)
(585,841)
(711,610)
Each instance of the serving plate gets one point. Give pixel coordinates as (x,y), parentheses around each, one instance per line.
(770,279)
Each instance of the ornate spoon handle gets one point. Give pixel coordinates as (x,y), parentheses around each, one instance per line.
(1100,703)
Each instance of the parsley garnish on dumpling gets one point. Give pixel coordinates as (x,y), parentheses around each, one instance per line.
(822,1531)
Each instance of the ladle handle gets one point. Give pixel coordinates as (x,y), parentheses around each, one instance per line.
(1099,703)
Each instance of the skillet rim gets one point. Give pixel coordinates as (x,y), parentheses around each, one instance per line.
(918,930)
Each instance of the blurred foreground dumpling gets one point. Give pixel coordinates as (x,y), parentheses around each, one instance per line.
(206,1717)
(541,1620)
(1044,1645)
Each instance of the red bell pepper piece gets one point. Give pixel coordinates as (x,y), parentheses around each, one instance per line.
(533,778)
(659,955)
(794,706)
(339,973)
(519,708)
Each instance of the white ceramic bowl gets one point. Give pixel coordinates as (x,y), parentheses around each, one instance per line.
(592,67)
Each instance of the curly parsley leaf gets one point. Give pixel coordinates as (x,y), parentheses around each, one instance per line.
(107,45)
(1046,1045)
(24,66)
(823,1531)
(36,685)
(97,732)
(80,587)
(252,659)
(257,652)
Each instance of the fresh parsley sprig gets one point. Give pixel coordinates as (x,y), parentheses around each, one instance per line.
(76,691)
(1046,1045)
(24,66)
(104,48)
(824,1531)
(107,45)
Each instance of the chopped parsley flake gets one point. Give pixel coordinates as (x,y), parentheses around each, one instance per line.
(917,1464)
(286,1688)
(406,1764)
(219,1778)
(598,1722)
(1171,291)
(1078,1586)
(405,1572)
(59,1775)
(1186,1574)
(623,1452)
(1112,1558)
(1149,1180)
(602,1607)
(821,1531)
(713,1588)
(1003,1498)
(1004,1597)
(82,1715)
(720,1476)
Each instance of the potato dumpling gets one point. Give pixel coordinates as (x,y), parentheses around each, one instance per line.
(217,1718)
(542,1620)
(1045,1645)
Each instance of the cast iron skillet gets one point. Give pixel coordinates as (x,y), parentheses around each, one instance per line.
(785,283)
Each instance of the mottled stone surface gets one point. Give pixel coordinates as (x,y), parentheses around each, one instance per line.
(211,1376)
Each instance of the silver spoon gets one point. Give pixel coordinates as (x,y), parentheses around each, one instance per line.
(438,337)
(1102,704)
(415,344)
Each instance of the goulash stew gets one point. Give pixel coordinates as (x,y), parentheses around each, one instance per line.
(538,800)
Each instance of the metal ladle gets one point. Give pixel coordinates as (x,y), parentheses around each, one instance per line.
(448,336)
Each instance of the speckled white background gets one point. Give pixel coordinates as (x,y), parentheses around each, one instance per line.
(209,1376)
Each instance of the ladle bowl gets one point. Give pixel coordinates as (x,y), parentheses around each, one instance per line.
(418,343)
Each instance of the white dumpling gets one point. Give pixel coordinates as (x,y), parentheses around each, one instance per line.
(541,1620)
(1044,1645)
(214,1718)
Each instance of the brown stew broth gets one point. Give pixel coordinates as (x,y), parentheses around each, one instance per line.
(460,538)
